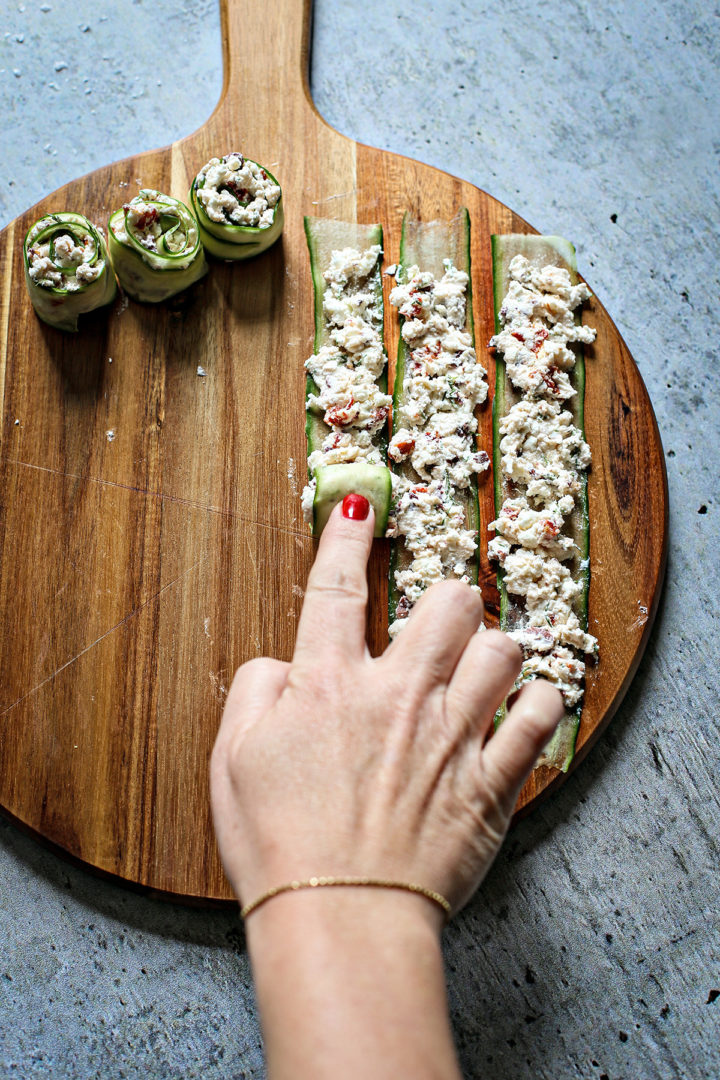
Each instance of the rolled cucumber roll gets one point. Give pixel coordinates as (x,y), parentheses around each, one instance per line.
(67,269)
(334,482)
(238,205)
(155,247)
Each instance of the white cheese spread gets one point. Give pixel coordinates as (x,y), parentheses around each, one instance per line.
(537,327)
(543,455)
(346,369)
(442,385)
(237,191)
(61,263)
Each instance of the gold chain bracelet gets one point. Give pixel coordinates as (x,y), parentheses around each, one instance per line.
(364,882)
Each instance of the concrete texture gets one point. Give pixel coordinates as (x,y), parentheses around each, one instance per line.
(593,948)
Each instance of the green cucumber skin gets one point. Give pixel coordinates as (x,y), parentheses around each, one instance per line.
(58,307)
(235,243)
(144,283)
(426,245)
(324,235)
(561,748)
(241,249)
(334,482)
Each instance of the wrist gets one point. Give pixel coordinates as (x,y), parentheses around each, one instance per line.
(347,976)
(343,913)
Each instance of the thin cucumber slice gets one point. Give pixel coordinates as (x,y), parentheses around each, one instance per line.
(428,245)
(334,482)
(235,242)
(324,236)
(177,259)
(541,251)
(61,304)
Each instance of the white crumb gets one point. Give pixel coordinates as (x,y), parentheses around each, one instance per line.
(292,476)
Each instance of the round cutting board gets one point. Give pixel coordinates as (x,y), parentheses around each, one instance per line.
(152,538)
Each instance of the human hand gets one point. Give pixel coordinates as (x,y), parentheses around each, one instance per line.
(340,764)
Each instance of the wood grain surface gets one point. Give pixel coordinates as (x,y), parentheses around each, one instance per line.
(139,569)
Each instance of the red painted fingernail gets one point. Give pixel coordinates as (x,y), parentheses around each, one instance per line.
(356,507)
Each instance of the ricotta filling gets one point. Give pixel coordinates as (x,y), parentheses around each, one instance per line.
(442,385)
(157,233)
(62,263)
(345,370)
(237,191)
(543,456)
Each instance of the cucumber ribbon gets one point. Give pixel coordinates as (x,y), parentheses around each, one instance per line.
(238,205)
(155,247)
(345,458)
(67,271)
(436,248)
(541,251)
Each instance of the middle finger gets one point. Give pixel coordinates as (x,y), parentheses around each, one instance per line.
(437,633)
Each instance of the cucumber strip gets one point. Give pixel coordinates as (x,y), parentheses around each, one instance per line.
(541,251)
(235,242)
(334,482)
(62,288)
(367,474)
(155,248)
(430,246)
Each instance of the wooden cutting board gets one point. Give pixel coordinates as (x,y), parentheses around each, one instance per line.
(140,568)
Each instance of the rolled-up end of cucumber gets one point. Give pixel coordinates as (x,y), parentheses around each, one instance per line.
(155,248)
(67,271)
(334,482)
(239,208)
(560,751)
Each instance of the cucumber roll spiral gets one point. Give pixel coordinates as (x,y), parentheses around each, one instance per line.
(238,205)
(67,270)
(155,247)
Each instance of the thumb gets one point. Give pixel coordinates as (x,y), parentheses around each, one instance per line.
(256,687)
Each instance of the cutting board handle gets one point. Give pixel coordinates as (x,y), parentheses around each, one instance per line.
(266,49)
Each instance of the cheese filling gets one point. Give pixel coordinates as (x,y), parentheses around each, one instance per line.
(159,229)
(346,369)
(238,191)
(63,263)
(543,456)
(442,385)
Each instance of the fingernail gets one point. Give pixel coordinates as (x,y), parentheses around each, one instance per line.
(356,507)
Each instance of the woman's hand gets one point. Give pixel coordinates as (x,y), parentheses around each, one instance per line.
(339,764)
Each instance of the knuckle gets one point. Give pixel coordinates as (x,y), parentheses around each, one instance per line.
(259,667)
(339,583)
(495,813)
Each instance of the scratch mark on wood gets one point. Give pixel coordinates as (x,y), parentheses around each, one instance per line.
(117,626)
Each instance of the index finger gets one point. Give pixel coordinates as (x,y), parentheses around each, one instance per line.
(334,609)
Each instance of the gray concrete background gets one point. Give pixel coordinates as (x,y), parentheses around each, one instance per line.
(593,948)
